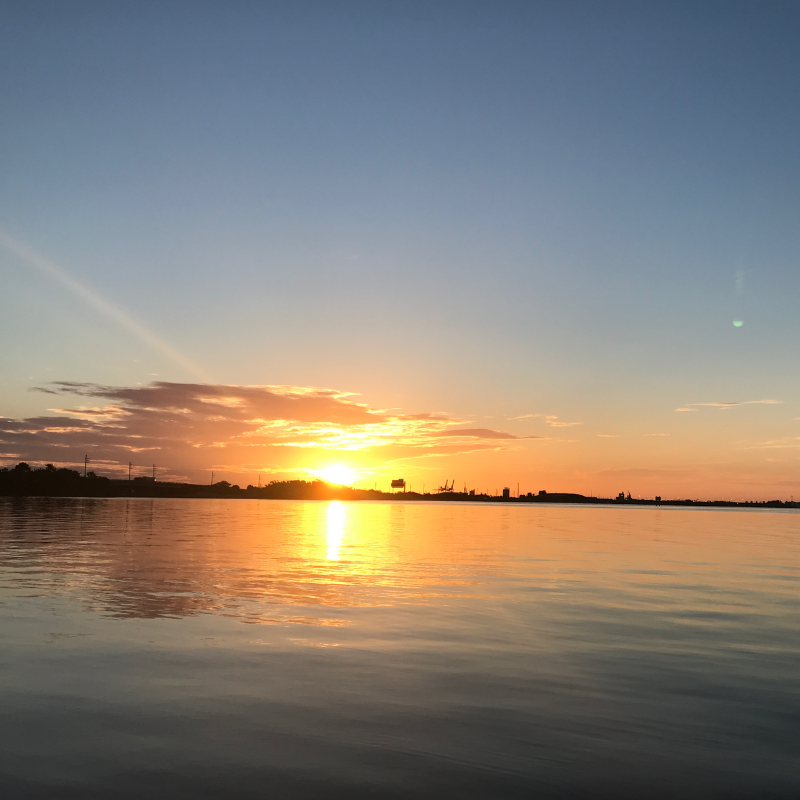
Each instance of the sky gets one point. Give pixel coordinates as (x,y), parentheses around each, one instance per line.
(546,245)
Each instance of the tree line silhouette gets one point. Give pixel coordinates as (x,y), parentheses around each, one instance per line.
(50,481)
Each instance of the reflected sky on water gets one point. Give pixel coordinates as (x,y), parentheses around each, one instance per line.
(207,648)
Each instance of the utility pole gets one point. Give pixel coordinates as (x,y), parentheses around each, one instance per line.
(129,470)
(85,465)
(154,471)
(212,477)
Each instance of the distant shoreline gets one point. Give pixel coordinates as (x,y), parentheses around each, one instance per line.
(24,481)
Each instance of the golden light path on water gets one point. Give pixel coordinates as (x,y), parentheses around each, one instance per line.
(336,519)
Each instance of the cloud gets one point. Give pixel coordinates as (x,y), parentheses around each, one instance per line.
(191,427)
(658,434)
(686,409)
(235,403)
(552,420)
(787,442)
(608,436)
(484,433)
(733,405)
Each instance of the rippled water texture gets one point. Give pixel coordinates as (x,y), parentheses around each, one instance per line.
(211,648)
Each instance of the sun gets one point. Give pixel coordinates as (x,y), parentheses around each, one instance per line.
(338,474)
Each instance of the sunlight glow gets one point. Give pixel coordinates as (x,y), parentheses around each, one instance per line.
(336,519)
(337,474)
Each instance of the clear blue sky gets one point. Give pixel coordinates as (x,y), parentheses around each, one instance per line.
(487,209)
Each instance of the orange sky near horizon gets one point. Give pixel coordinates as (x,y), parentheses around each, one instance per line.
(247,434)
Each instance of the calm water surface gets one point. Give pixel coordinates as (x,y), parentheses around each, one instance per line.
(212,648)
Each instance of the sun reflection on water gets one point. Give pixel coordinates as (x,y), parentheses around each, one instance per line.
(336,520)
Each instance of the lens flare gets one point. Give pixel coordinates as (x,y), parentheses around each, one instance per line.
(737,323)
(99,303)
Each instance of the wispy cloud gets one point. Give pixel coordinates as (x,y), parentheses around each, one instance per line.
(552,420)
(608,436)
(785,443)
(733,405)
(483,433)
(658,434)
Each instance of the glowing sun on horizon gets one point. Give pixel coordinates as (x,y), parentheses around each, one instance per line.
(338,474)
